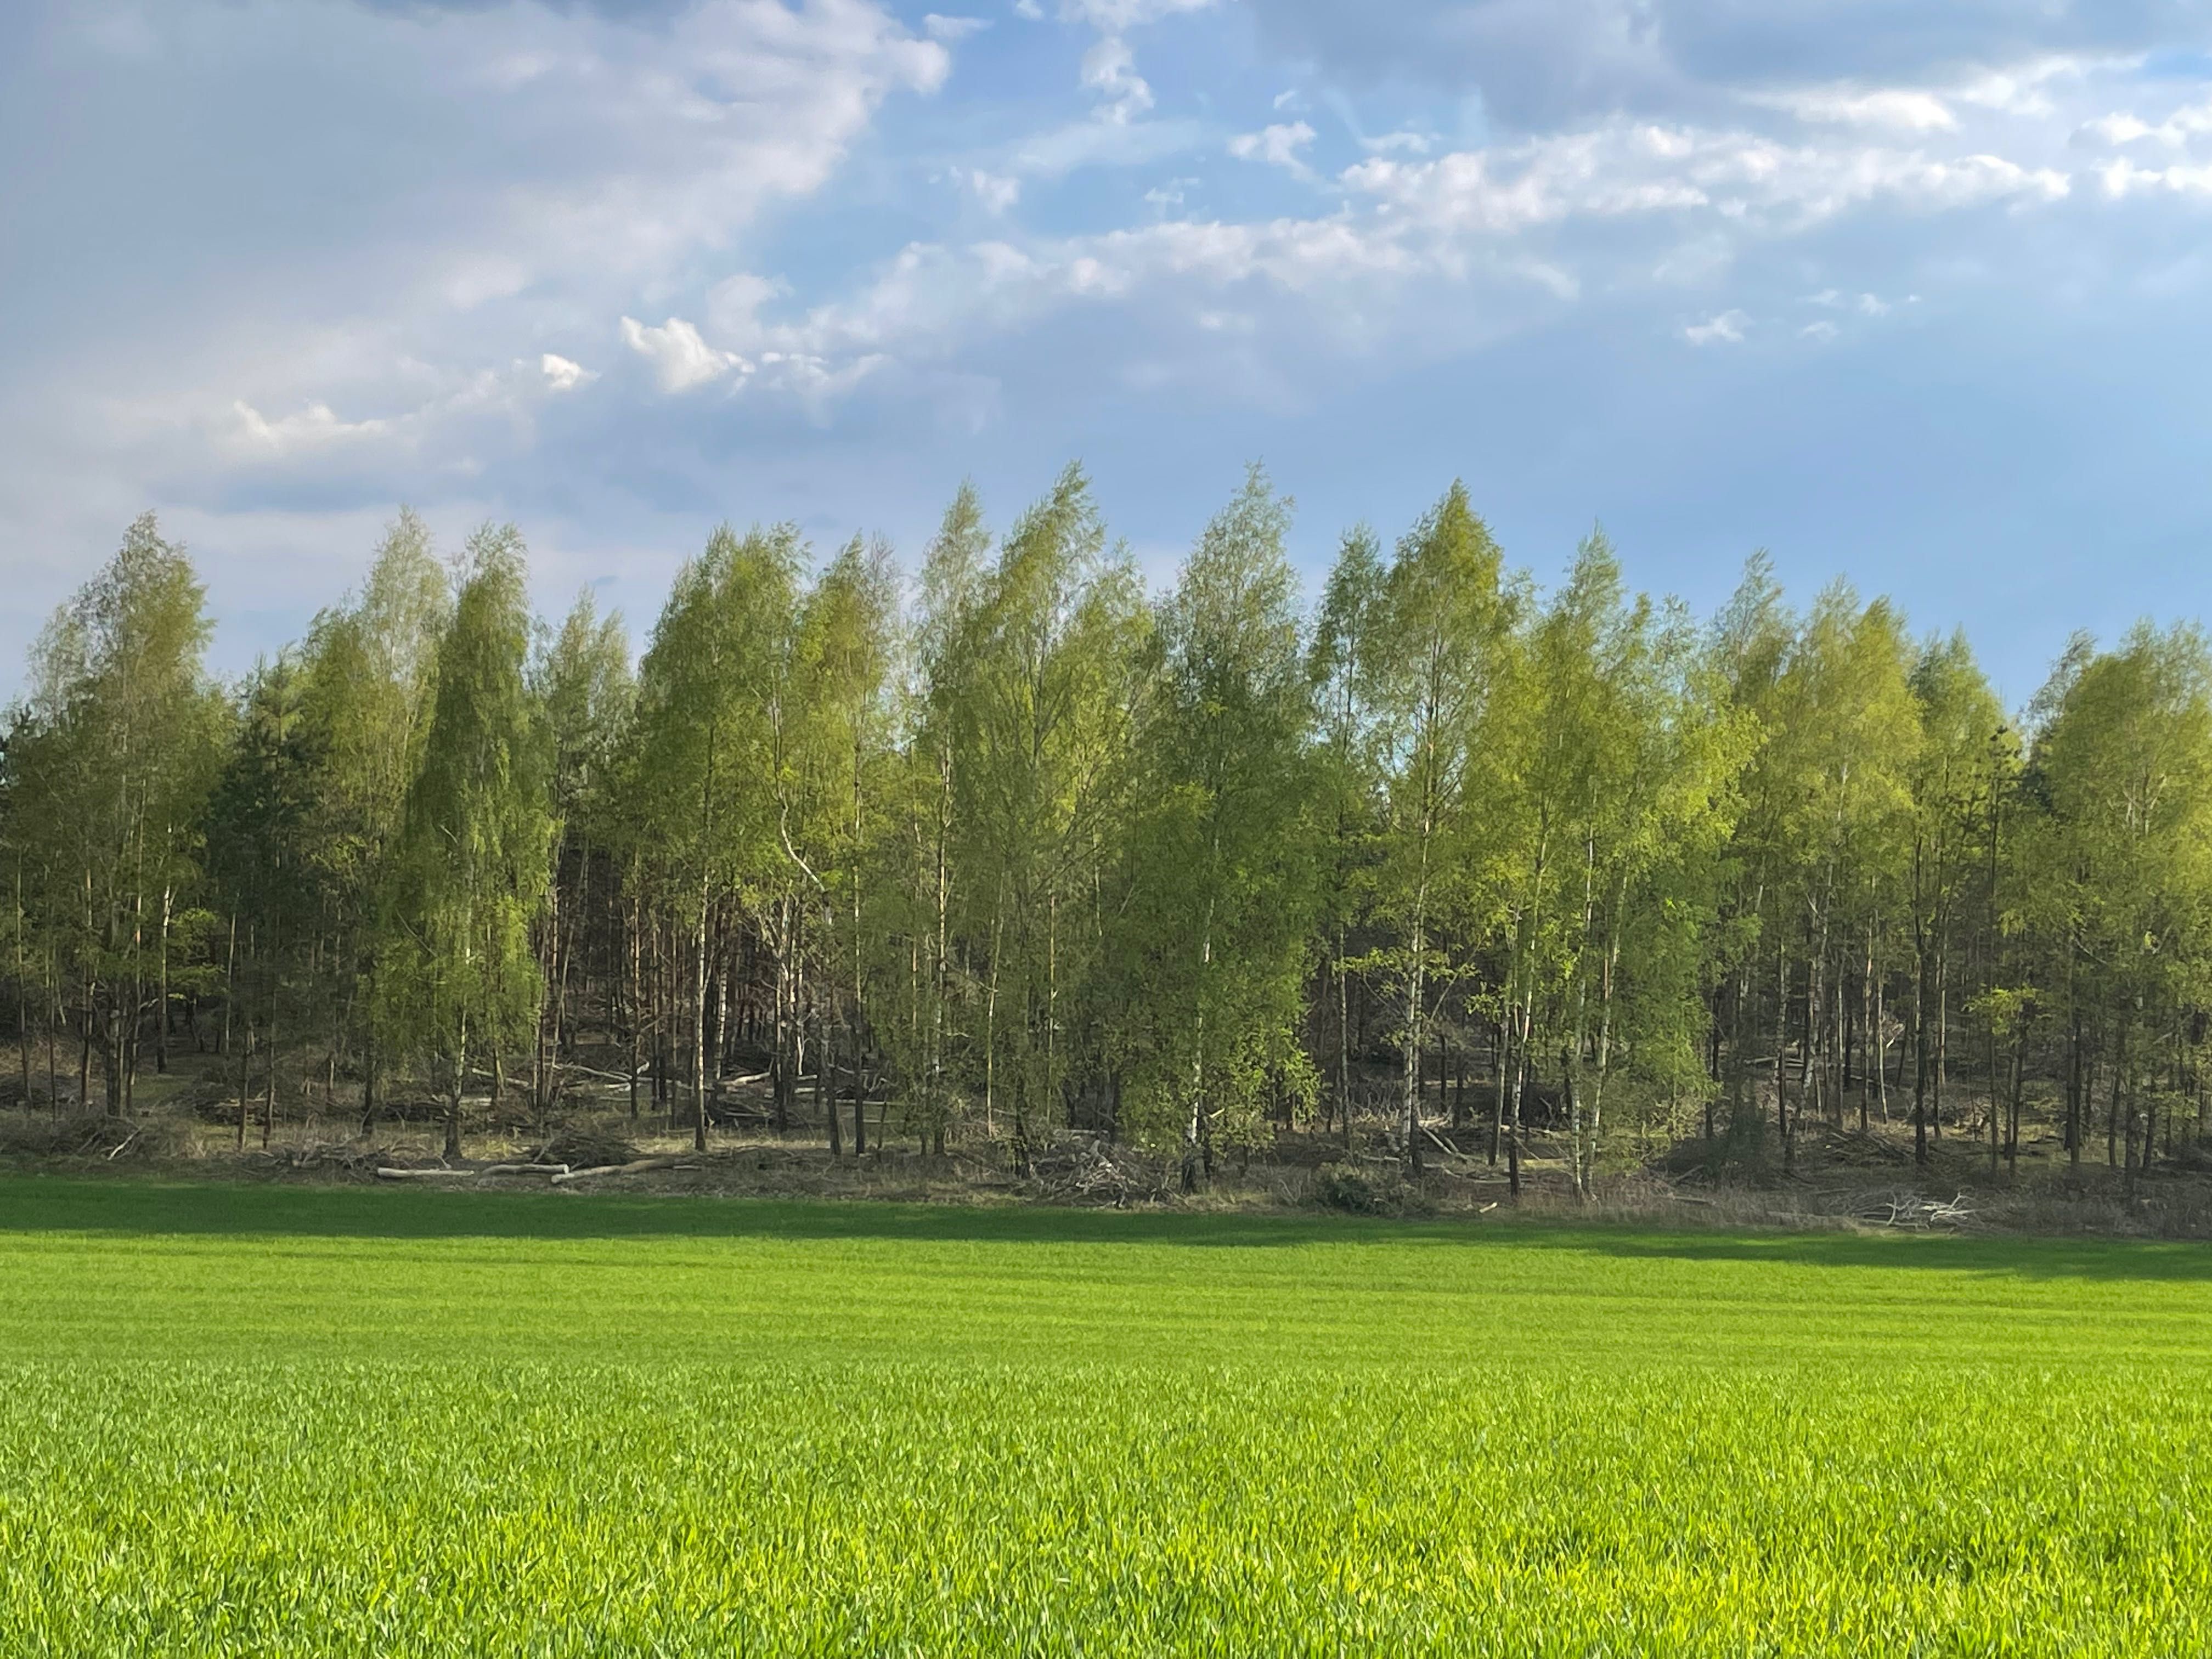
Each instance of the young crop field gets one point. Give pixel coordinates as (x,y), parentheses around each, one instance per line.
(301,1421)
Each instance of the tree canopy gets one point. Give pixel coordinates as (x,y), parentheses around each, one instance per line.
(1002,845)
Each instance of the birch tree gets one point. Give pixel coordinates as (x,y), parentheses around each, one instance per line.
(113,762)
(1213,945)
(1441,657)
(1343,664)
(1042,721)
(458,982)
(714,712)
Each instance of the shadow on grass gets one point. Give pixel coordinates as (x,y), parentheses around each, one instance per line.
(55,1204)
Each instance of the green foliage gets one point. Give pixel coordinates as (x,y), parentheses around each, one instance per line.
(1359,1189)
(1207,959)
(1439,658)
(110,762)
(713,720)
(1040,710)
(588,694)
(471,863)
(1025,850)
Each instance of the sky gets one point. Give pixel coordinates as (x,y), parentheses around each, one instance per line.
(1912,292)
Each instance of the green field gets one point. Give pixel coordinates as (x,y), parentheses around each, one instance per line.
(301,1421)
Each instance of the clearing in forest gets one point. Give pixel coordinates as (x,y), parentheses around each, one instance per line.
(339,1421)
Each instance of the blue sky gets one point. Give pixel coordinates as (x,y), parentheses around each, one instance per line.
(1908,292)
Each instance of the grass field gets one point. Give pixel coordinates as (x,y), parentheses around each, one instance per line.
(306,1421)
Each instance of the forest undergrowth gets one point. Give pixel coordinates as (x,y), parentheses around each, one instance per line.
(188,1128)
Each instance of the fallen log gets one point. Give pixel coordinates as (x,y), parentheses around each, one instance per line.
(637,1167)
(524,1169)
(426,1175)
(1445,1146)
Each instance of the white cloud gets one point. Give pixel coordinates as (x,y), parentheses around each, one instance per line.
(548,175)
(1625,168)
(1170,195)
(2024,88)
(2124,177)
(1102,142)
(1109,69)
(733,308)
(1119,16)
(1109,66)
(315,427)
(997,192)
(1278,146)
(2118,129)
(1488,235)
(1415,143)
(473,197)
(2177,132)
(1726,329)
(1902,109)
(949,29)
(681,360)
(442,425)
(563,375)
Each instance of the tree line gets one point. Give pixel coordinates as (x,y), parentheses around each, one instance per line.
(1013,848)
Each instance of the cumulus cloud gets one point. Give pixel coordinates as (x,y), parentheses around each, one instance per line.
(481,200)
(562,374)
(1518,228)
(402,295)
(1635,169)
(1904,109)
(2177,130)
(1539,66)
(734,305)
(449,425)
(1102,141)
(2124,177)
(1726,329)
(1278,146)
(315,427)
(681,360)
(1109,69)
(1119,16)
(997,192)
